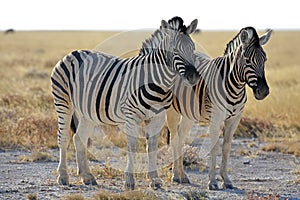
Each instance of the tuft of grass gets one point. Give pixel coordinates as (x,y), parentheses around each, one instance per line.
(73,197)
(32,196)
(24,159)
(106,171)
(288,147)
(127,195)
(255,196)
(41,156)
(253,127)
(195,195)
(245,152)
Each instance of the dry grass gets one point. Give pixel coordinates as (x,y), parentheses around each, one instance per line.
(136,195)
(290,147)
(255,196)
(27,115)
(32,196)
(106,195)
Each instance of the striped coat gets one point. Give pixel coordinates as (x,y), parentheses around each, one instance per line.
(218,98)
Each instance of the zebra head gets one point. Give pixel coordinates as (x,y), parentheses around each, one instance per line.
(180,48)
(253,60)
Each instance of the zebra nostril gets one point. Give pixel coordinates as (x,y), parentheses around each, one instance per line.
(267,91)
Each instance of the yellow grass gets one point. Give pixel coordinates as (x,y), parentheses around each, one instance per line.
(107,195)
(27,117)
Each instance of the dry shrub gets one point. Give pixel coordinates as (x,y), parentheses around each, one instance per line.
(12,100)
(32,196)
(128,195)
(41,156)
(254,196)
(252,127)
(195,195)
(106,171)
(74,197)
(191,156)
(21,128)
(37,131)
(50,63)
(289,147)
(35,73)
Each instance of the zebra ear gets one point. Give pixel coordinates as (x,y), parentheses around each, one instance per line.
(192,27)
(265,37)
(244,36)
(165,26)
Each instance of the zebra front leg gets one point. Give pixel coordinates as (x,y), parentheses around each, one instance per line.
(153,128)
(212,184)
(132,132)
(84,132)
(230,127)
(215,128)
(152,147)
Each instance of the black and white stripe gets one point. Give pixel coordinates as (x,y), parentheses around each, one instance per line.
(219,97)
(102,89)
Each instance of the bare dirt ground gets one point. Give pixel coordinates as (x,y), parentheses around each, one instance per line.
(255,172)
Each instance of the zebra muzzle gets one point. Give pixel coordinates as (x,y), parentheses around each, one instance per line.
(191,75)
(261,90)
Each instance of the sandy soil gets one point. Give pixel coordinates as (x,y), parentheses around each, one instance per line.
(260,174)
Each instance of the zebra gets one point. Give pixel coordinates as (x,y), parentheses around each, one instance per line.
(9,31)
(101,89)
(218,98)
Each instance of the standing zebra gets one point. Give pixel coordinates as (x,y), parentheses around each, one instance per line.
(219,97)
(102,89)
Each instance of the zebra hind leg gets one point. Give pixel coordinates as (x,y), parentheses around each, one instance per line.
(183,131)
(64,120)
(84,132)
(177,142)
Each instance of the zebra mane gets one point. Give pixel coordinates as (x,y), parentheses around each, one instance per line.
(236,42)
(152,43)
(176,24)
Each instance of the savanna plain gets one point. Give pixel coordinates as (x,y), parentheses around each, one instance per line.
(269,131)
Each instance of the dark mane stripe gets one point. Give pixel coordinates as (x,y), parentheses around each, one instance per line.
(235,42)
(176,24)
(152,43)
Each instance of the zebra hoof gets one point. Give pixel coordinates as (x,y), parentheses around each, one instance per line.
(184,179)
(129,181)
(213,186)
(90,180)
(156,183)
(63,180)
(227,186)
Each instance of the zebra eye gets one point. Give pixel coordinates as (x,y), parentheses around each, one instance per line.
(247,60)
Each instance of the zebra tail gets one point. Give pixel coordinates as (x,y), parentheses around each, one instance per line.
(168,136)
(74,123)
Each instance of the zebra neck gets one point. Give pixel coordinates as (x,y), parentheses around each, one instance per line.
(235,85)
(223,73)
(162,72)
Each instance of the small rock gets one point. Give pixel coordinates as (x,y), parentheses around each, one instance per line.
(246,162)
